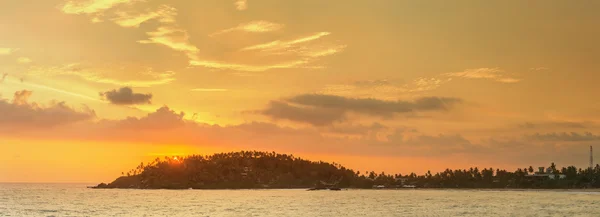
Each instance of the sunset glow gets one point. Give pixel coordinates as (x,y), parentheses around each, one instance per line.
(91,88)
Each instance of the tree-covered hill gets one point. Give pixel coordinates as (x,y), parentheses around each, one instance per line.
(253,169)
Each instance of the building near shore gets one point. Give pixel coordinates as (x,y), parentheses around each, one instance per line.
(546,173)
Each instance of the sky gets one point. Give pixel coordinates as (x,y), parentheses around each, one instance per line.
(90,88)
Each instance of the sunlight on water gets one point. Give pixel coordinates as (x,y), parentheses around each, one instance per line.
(76,200)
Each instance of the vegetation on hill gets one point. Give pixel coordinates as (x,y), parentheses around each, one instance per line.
(253,169)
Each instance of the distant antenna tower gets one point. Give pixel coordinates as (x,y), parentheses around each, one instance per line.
(591,158)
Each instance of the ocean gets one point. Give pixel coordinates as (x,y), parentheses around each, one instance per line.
(77,200)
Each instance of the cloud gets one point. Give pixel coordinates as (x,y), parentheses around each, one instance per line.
(315,116)
(387,89)
(383,88)
(321,52)
(24,60)
(320,109)
(167,34)
(539,69)
(244,67)
(171,35)
(555,124)
(373,83)
(56,90)
(126,96)
(208,90)
(374,106)
(166,126)
(165,79)
(433,144)
(241,5)
(21,97)
(164,14)
(250,68)
(494,74)
(378,88)
(564,137)
(20,113)
(426,84)
(176,39)
(6,51)
(527,125)
(358,129)
(254,26)
(96,20)
(101,76)
(91,6)
(162,118)
(303,55)
(279,45)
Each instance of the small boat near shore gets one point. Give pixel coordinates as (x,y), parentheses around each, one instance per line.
(320,189)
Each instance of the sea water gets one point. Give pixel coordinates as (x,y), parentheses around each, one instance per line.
(77,200)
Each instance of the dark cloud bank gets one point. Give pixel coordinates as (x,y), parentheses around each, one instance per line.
(320,110)
(21,119)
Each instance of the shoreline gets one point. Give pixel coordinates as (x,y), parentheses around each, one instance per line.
(370,189)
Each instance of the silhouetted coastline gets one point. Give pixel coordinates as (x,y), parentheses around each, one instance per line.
(270,170)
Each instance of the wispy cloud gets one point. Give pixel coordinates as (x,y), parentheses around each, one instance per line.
(91,6)
(300,63)
(384,89)
(245,67)
(57,90)
(508,80)
(97,76)
(6,51)
(565,137)
(241,5)
(171,35)
(209,90)
(538,69)
(164,14)
(133,83)
(96,20)
(174,38)
(494,74)
(24,60)
(426,84)
(167,34)
(254,26)
(321,52)
(380,88)
(279,45)
(297,48)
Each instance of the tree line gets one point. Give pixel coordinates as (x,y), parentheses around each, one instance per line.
(255,169)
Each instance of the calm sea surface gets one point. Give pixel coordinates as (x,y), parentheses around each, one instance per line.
(76,200)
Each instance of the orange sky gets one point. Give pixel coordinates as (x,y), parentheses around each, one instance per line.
(89,88)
